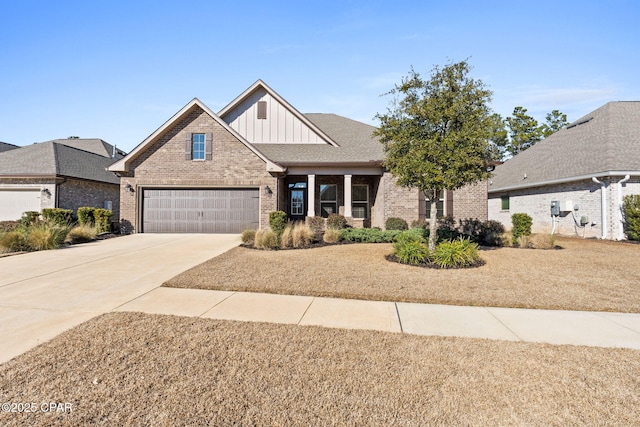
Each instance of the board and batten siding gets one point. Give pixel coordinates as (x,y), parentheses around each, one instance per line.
(280,127)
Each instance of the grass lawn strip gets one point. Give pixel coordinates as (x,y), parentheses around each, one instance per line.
(585,275)
(137,369)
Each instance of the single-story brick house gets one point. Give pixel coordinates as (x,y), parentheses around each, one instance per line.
(587,168)
(62,173)
(225,172)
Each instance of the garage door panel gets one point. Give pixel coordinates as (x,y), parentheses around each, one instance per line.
(200,210)
(13,203)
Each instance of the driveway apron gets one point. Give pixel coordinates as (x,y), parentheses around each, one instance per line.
(45,293)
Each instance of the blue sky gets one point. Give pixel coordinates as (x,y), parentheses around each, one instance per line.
(117,70)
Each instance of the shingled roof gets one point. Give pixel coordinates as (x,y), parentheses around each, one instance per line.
(58,158)
(356,144)
(4,146)
(604,142)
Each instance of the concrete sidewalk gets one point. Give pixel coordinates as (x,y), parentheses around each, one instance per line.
(599,329)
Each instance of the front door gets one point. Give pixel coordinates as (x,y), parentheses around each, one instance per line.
(298,201)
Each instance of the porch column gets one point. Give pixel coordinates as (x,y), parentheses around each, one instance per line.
(347,196)
(311,195)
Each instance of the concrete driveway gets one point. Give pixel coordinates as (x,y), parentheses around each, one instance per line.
(45,293)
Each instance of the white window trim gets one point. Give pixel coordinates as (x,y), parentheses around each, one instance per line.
(204,147)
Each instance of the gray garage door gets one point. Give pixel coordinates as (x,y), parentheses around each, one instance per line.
(200,210)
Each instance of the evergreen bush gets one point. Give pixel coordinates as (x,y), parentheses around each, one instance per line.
(521,226)
(58,216)
(631,211)
(86,215)
(102,219)
(394,223)
(277,222)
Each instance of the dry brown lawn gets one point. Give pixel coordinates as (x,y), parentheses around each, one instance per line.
(584,275)
(137,369)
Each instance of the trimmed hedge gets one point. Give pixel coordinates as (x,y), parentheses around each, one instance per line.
(86,215)
(394,223)
(336,221)
(277,222)
(521,226)
(103,220)
(369,235)
(58,216)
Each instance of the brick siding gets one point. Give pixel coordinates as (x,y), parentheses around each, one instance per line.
(163,164)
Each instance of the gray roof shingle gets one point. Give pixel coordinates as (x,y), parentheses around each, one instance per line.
(59,159)
(4,146)
(604,141)
(355,139)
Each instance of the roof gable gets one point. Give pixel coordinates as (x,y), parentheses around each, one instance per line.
(601,143)
(123,164)
(282,123)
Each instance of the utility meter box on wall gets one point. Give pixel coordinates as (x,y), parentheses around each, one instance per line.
(566,206)
(555,208)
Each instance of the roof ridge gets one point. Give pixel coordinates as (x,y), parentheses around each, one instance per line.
(54,147)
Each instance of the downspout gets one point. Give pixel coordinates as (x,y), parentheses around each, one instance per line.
(603,206)
(619,211)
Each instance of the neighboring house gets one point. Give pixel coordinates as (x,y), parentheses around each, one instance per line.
(225,172)
(587,168)
(6,147)
(63,173)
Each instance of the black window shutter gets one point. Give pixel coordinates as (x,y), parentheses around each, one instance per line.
(187,146)
(208,149)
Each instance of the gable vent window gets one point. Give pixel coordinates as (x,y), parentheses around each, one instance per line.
(262,110)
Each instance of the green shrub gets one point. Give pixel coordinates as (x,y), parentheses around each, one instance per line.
(13,241)
(521,225)
(301,235)
(45,236)
(248,237)
(410,251)
(414,234)
(487,233)
(8,225)
(331,235)
(316,223)
(631,211)
(277,222)
(456,254)
(103,220)
(266,239)
(86,215)
(81,234)
(58,216)
(29,218)
(336,221)
(394,223)
(368,235)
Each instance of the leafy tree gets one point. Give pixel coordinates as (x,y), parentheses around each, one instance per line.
(436,133)
(555,121)
(524,131)
(499,139)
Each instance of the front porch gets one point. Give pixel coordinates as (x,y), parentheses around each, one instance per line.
(356,197)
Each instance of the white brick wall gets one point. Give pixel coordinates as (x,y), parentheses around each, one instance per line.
(536,202)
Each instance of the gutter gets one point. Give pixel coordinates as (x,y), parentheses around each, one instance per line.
(562,180)
(603,206)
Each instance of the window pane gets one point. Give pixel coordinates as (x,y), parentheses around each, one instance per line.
(439,207)
(359,193)
(327,209)
(328,192)
(297,202)
(360,210)
(197,148)
(505,203)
